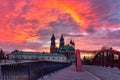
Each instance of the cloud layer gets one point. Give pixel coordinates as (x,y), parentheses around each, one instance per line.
(28,24)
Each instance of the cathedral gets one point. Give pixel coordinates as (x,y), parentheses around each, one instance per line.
(66,50)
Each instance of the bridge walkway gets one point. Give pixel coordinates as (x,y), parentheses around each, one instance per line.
(70,73)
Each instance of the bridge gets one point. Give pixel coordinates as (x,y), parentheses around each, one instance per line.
(89,72)
(103,58)
(106,57)
(29,70)
(101,68)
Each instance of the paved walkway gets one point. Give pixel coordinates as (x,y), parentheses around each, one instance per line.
(104,73)
(70,74)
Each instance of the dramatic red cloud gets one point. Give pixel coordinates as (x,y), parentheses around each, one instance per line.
(23,21)
(17,34)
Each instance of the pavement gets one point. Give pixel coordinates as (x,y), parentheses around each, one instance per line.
(89,73)
(70,73)
(104,73)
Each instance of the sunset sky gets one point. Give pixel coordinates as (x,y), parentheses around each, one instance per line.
(29,24)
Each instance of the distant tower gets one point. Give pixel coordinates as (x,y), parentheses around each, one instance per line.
(52,47)
(61,41)
(72,43)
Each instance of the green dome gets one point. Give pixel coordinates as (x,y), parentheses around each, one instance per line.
(66,48)
(72,57)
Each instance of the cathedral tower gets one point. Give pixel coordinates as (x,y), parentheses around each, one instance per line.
(52,46)
(72,43)
(61,41)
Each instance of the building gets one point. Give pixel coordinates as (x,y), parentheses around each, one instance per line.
(61,54)
(61,41)
(52,46)
(22,56)
(66,50)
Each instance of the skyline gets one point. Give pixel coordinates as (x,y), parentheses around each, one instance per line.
(29,24)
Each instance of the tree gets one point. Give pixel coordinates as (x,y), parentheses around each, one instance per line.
(2,55)
(84,60)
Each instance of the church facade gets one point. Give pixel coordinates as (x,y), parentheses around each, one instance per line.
(67,50)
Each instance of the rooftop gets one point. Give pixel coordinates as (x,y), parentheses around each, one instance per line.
(66,48)
(36,53)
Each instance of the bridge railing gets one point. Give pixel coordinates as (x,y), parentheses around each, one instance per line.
(29,70)
(106,58)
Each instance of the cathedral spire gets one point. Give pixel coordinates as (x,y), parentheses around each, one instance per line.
(52,47)
(72,43)
(53,37)
(53,40)
(61,41)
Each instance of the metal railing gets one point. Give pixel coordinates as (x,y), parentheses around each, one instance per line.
(29,70)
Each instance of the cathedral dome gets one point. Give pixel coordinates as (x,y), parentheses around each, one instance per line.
(66,48)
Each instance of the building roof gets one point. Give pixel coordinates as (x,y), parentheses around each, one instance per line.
(53,54)
(66,48)
(24,53)
(36,53)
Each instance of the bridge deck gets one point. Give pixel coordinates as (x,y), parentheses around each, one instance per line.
(104,73)
(89,73)
(70,74)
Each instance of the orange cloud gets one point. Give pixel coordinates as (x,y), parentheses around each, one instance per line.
(22,21)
